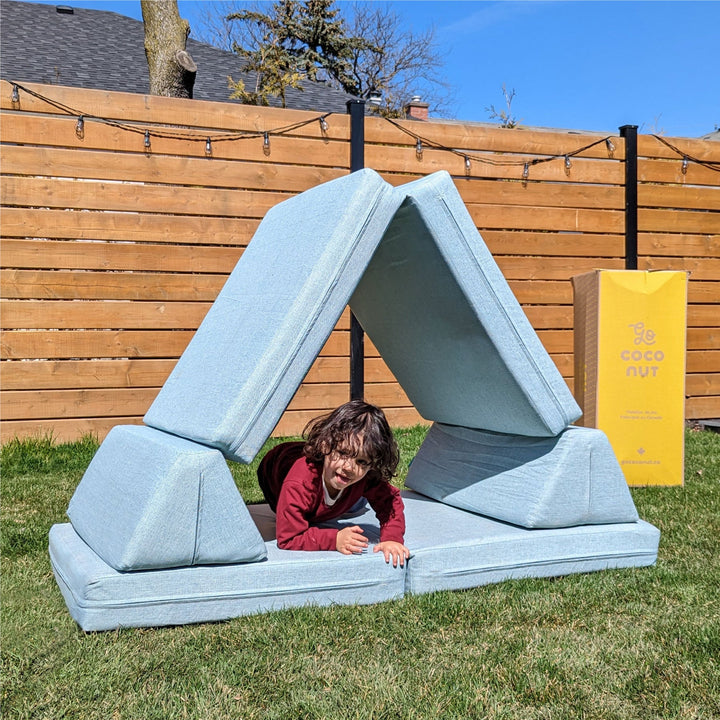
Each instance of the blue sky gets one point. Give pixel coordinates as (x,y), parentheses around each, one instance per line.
(573,64)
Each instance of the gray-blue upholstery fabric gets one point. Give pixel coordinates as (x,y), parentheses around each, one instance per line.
(101,598)
(444,319)
(451,549)
(153,500)
(274,314)
(570,479)
(454,549)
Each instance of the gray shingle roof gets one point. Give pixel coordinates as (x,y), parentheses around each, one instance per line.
(104,50)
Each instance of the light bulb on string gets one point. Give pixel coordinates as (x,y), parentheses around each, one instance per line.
(419,148)
(80,127)
(323,124)
(16,94)
(208,147)
(526,171)
(147,139)
(266,143)
(685,164)
(568,164)
(610,145)
(467,164)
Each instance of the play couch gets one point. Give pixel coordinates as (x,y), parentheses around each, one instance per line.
(502,487)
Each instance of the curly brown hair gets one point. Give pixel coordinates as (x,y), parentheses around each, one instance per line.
(355,428)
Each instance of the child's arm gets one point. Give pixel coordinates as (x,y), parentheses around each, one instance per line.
(292,529)
(387,503)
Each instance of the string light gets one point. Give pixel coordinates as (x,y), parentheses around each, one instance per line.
(80,127)
(709,164)
(568,164)
(169,133)
(323,124)
(467,164)
(208,147)
(419,141)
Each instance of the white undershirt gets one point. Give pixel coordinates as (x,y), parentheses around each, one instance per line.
(330,501)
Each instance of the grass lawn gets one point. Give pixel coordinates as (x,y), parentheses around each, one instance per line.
(637,643)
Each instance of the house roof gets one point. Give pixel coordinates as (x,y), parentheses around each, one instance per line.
(104,50)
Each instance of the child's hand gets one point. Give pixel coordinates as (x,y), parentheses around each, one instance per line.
(351,540)
(395,550)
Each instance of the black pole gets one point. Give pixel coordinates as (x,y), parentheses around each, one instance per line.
(356,110)
(629,132)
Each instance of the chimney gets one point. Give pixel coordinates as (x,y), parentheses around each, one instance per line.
(416,109)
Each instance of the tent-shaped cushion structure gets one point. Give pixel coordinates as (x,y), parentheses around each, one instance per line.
(158,533)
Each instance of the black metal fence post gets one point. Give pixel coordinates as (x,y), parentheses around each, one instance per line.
(629,132)
(356,110)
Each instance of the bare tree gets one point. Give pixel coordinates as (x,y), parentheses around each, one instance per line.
(172,70)
(397,63)
(505,117)
(384,57)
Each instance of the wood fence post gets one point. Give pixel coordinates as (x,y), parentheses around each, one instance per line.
(629,132)
(356,109)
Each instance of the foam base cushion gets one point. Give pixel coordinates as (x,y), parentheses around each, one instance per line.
(151,500)
(453,549)
(101,598)
(274,314)
(436,306)
(571,479)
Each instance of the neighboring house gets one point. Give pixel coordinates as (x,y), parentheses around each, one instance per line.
(62,45)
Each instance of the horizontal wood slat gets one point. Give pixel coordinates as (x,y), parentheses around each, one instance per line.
(70,285)
(128,197)
(64,255)
(112,255)
(126,227)
(143,372)
(149,168)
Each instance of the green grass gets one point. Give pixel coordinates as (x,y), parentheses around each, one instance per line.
(636,643)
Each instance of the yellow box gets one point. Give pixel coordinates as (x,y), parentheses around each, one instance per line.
(630,331)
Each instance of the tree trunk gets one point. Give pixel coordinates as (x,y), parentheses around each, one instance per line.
(172,70)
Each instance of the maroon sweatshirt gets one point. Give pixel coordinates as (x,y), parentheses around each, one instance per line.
(297,485)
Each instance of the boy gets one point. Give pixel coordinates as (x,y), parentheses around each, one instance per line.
(348,455)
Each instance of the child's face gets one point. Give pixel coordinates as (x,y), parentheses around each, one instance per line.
(341,469)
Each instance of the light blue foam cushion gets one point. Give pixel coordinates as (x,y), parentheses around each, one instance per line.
(571,479)
(453,549)
(101,598)
(437,307)
(152,500)
(274,314)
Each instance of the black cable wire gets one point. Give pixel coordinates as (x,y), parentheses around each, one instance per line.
(492,161)
(705,163)
(249,134)
(172,135)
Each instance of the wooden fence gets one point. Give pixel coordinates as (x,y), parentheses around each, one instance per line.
(115,243)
